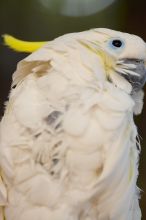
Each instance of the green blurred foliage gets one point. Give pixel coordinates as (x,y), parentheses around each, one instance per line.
(29,19)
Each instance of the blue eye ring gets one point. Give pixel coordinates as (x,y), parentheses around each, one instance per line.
(116,43)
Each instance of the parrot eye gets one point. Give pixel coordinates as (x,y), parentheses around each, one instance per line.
(116,43)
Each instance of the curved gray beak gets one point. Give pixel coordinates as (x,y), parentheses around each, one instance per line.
(137,75)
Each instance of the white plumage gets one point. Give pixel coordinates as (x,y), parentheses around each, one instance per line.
(68,146)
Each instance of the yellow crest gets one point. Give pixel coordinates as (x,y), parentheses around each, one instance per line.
(20,45)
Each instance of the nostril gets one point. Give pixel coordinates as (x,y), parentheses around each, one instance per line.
(137,61)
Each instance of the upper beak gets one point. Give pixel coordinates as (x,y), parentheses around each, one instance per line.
(136,75)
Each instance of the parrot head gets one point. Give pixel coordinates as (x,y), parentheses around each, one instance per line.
(123,55)
(124,60)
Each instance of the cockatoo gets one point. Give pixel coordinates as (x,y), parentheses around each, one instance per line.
(69,147)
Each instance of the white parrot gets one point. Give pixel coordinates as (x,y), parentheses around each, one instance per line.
(69,147)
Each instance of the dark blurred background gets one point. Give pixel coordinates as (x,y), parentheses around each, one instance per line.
(37,20)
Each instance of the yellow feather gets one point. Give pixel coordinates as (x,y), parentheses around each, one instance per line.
(22,46)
